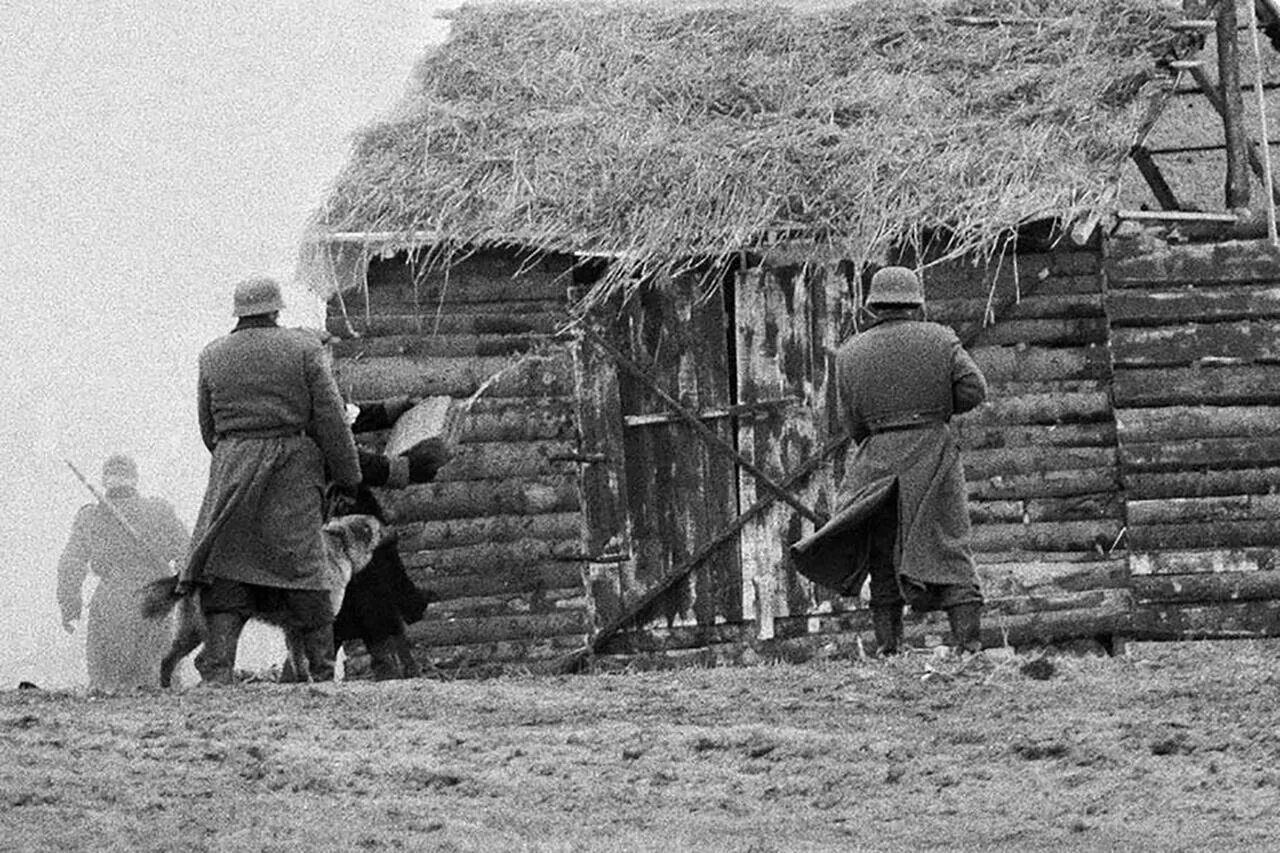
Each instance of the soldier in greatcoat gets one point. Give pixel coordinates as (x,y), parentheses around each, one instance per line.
(271,416)
(902,513)
(122,649)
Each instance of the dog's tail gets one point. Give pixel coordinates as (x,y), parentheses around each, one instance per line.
(159,597)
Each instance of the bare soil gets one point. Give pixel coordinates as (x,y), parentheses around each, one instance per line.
(1170,747)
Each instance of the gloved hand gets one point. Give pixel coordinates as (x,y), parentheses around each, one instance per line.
(69,625)
(426,458)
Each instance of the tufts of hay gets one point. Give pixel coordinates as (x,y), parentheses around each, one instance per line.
(657,134)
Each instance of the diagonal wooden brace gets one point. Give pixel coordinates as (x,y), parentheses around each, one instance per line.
(704,432)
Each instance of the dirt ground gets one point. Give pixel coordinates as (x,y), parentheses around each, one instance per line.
(1170,747)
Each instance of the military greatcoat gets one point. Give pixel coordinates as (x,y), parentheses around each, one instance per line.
(272,417)
(899,383)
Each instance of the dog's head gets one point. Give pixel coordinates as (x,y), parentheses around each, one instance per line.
(353,539)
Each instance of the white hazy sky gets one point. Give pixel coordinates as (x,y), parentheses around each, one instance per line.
(152,154)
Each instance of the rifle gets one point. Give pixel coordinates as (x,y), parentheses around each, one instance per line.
(119,517)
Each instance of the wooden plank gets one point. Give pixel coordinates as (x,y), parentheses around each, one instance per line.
(1249,340)
(486,276)
(1053,332)
(1083,481)
(450,533)
(987,436)
(495,629)
(1099,535)
(1214,534)
(511,318)
(481,498)
(1203,509)
(1177,423)
(549,375)
(1006,580)
(1074,508)
(1199,304)
(1219,386)
(492,604)
(1207,588)
(1227,262)
(1209,453)
(1012,461)
(1058,306)
(1043,408)
(1169,562)
(1053,273)
(1002,364)
(506,461)
(1238,620)
(438,345)
(513,580)
(1197,483)
(514,556)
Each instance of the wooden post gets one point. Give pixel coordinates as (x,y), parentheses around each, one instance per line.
(1237,184)
(1262,117)
(1255,159)
(1151,172)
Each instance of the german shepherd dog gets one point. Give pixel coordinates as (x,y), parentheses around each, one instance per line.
(349,543)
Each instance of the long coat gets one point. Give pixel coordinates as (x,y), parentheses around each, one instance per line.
(272,417)
(123,649)
(899,383)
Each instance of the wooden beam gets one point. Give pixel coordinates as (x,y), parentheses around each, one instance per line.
(1155,179)
(1237,182)
(1176,216)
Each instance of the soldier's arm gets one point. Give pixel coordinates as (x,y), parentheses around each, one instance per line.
(850,419)
(73,565)
(204,412)
(968,385)
(328,427)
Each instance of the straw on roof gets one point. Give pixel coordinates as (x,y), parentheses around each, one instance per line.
(658,133)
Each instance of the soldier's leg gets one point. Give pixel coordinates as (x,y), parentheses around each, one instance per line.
(886,596)
(311,612)
(382,659)
(226,605)
(963,603)
(404,651)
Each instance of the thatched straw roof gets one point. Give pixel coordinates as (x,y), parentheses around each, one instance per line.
(663,132)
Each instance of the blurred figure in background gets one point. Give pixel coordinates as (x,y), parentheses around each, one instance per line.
(125,540)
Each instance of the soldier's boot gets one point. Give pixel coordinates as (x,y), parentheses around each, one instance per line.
(966,627)
(886,622)
(404,651)
(216,662)
(382,659)
(321,655)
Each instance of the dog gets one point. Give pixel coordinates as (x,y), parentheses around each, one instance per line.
(349,543)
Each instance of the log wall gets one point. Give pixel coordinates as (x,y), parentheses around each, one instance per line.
(498,535)
(1197,396)
(1040,456)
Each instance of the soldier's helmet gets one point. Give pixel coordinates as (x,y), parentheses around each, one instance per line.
(259,295)
(895,286)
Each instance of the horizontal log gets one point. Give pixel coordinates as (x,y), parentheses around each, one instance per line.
(1038,274)
(1201,483)
(1013,461)
(1171,423)
(1043,408)
(512,318)
(499,460)
(995,608)
(436,345)
(985,436)
(1209,534)
(514,556)
(1225,508)
(1074,508)
(1207,588)
(1181,386)
(511,580)
(1068,333)
(546,602)
(1187,305)
(1204,560)
(502,419)
(1017,557)
(1005,580)
(487,659)
(481,498)
(1034,307)
(1099,535)
(519,376)
(1208,453)
(492,629)
(1236,620)
(1001,364)
(433,535)
(1252,340)
(1202,264)
(1083,481)
(484,276)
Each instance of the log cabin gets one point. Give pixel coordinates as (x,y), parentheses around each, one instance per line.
(627,239)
